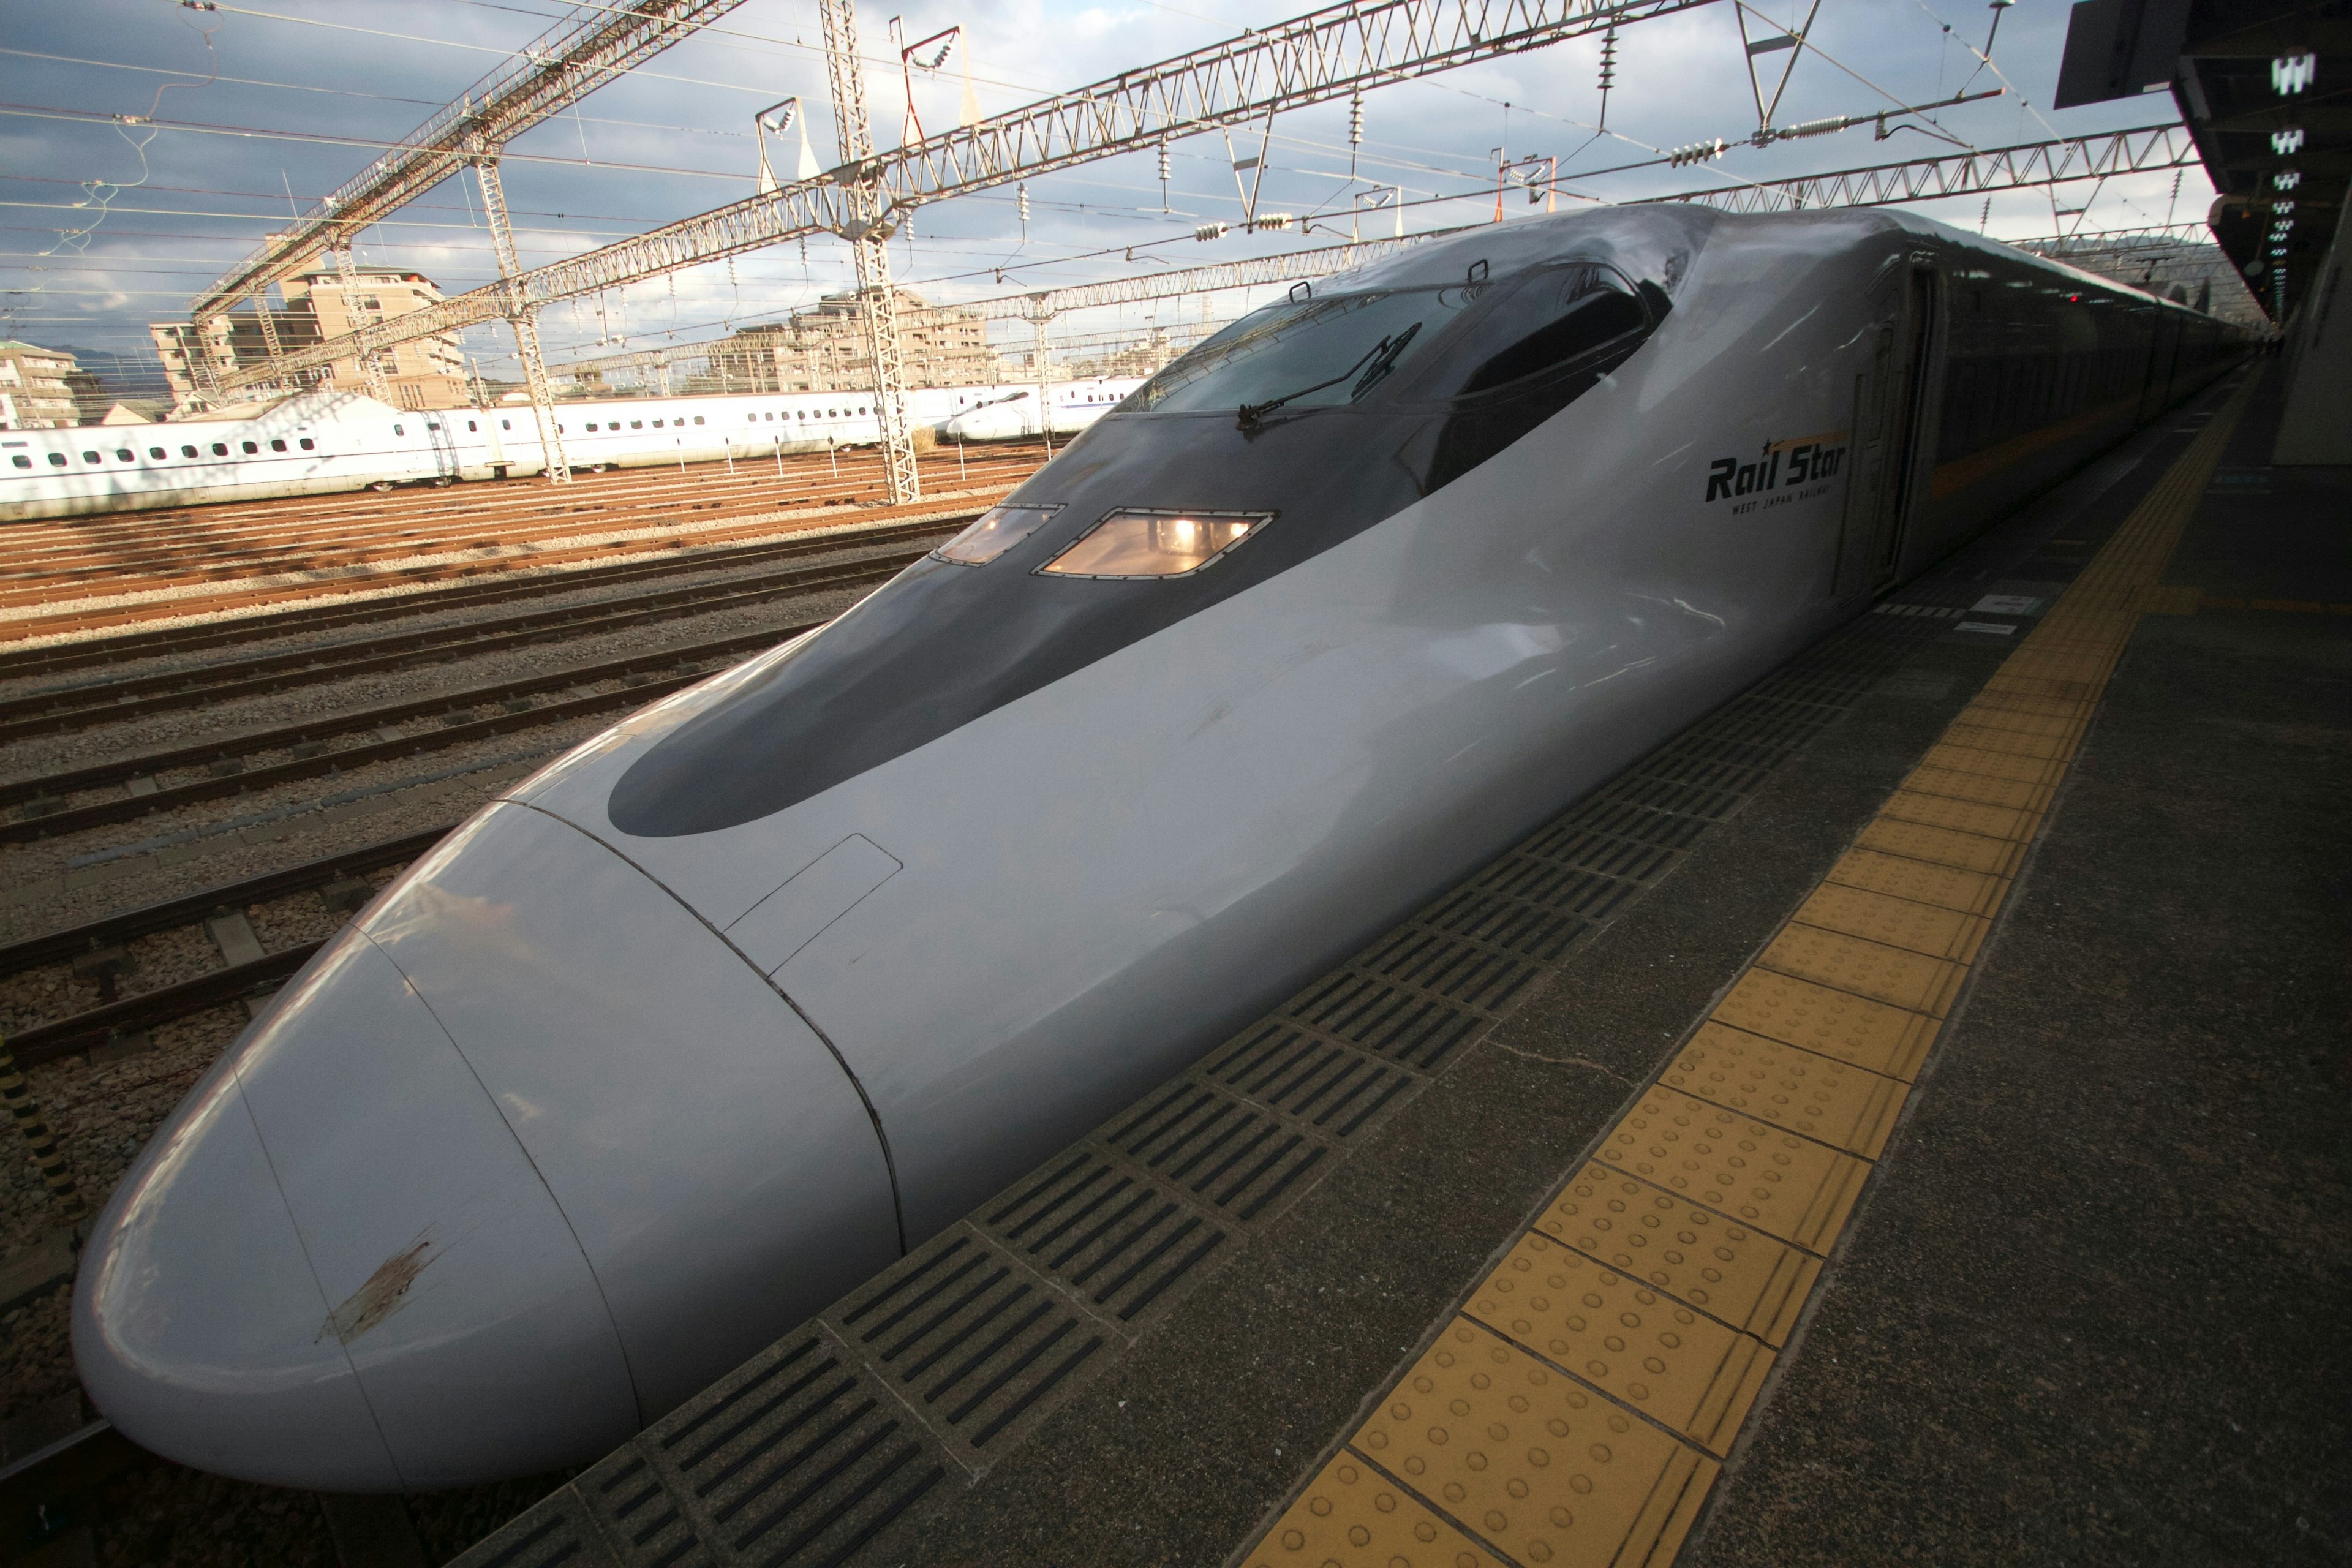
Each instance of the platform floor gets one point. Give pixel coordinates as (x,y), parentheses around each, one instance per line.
(1990,1117)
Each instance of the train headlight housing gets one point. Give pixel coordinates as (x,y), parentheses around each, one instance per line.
(1136,542)
(998,529)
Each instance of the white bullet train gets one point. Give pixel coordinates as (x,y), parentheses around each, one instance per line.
(1010,415)
(702,1025)
(323,441)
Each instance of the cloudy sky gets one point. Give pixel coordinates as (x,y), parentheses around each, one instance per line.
(251,111)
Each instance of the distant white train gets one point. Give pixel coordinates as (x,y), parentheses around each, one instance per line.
(320,441)
(1009,415)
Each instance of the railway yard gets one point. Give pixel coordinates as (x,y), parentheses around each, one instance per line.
(268,711)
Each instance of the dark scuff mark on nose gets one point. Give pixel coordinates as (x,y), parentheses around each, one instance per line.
(385,1292)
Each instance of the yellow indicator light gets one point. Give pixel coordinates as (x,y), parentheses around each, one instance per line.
(1149,544)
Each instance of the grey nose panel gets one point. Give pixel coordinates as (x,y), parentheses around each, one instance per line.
(454,1284)
(196,1318)
(718,1167)
(789,919)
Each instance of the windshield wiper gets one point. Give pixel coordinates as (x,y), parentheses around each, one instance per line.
(1381,357)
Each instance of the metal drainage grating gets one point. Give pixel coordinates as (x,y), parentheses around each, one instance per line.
(1513,911)
(1391,1021)
(968,1338)
(954,1353)
(1333,1089)
(1218,1148)
(1108,1234)
(791,1461)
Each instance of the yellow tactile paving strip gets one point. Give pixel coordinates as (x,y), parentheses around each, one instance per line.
(1578,1406)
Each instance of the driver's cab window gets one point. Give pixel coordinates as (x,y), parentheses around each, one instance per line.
(1550,321)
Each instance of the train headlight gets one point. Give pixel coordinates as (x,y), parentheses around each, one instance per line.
(1137,544)
(998,529)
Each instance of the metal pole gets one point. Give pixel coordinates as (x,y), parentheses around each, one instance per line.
(347,269)
(1040,320)
(869,231)
(198,346)
(268,333)
(524,319)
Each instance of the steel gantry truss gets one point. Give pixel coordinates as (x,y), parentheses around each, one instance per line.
(587,49)
(1296,265)
(2133,151)
(1290,266)
(1323,55)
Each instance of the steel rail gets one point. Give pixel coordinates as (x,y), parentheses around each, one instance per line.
(1326,54)
(57,946)
(128,646)
(171,691)
(161,1006)
(686,662)
(75,1463)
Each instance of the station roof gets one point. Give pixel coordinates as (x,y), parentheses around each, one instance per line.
(2265,86)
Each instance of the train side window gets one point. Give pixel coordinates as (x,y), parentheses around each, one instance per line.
(307,443)
(89,457)
(509,425)
(56,459)
(592,425)
(697,419)
(187,451)
(399,430)
(220,448)
(159,455)
(753,418)
(658,424)
(636,424)
(125,455)
(278,446)
(250,446)
(432,425)
(23,461)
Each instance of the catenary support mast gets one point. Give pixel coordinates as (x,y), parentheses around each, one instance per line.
(865,224)
(523,317)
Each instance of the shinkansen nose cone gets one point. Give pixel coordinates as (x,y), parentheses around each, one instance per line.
(514,1167)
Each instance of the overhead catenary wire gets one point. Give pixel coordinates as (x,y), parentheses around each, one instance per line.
(932,250)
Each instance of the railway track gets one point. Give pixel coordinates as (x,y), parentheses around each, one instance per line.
(333,873)
(646,677)
(110,701)
(125,647)
(170,553)
(317,524)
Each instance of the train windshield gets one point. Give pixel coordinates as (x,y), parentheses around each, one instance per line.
(1310,353)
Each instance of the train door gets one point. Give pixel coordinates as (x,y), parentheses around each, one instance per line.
(2163,349)
(1890,402)
(444,442)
